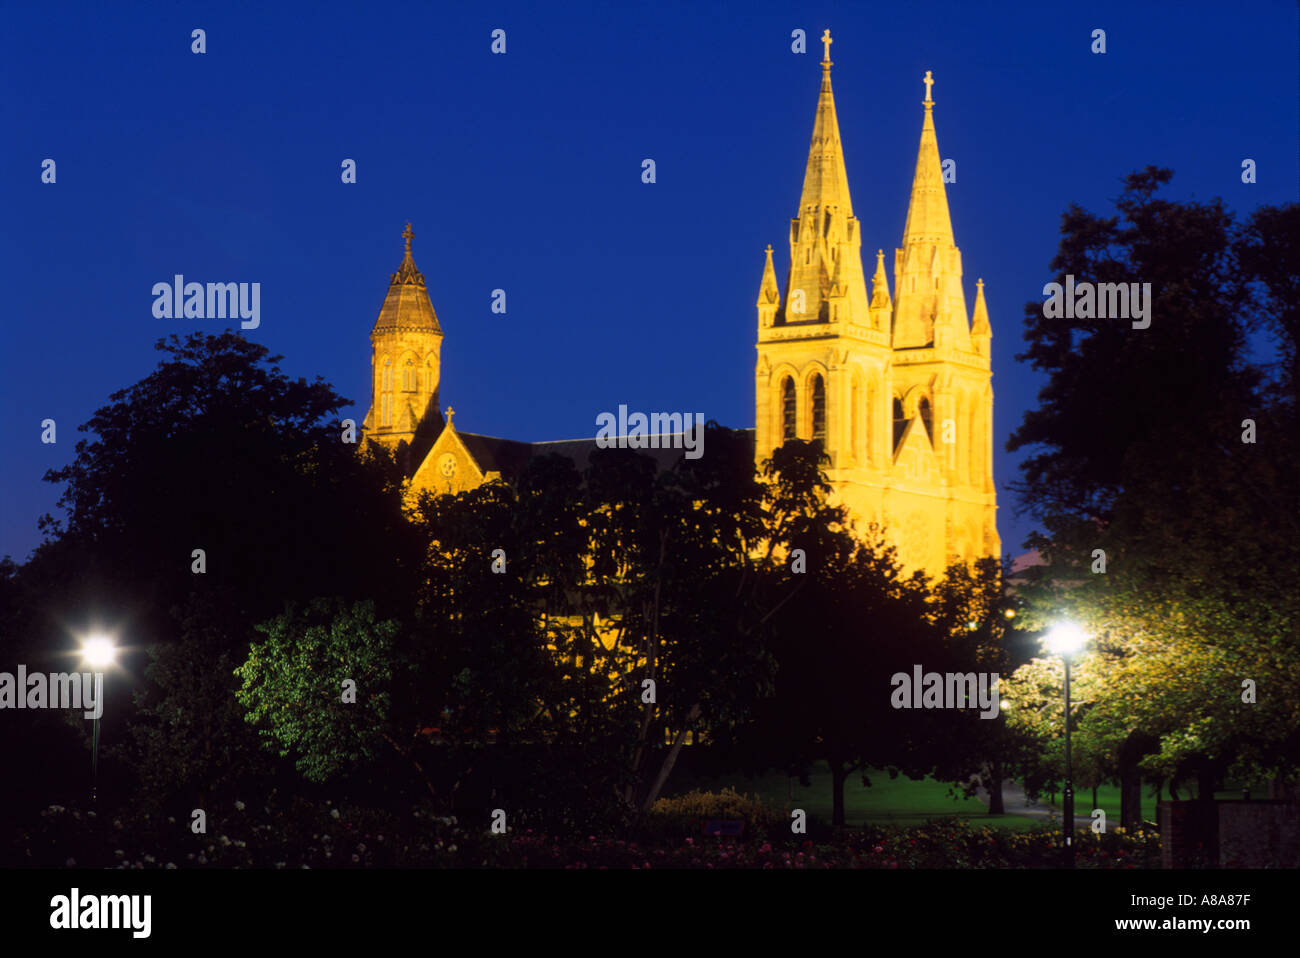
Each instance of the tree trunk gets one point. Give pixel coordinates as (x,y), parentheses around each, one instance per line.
(995,788)
(670,760)
(839,774)
(1130,778)
(1205,781)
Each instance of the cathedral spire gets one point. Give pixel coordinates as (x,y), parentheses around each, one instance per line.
(407,304)
(927,212)
(980,331)
(930,307)
(825,182)
(826,283)
(769,294)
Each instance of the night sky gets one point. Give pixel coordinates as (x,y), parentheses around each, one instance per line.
(523,172)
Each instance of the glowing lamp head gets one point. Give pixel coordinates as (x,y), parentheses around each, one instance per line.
(98,651)
(1065,639)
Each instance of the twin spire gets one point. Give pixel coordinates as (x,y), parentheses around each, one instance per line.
(826,282)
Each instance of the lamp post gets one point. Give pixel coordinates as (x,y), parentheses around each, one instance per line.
(1064,640)
(97,652)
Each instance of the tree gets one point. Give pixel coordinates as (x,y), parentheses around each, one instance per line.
(321,686)
(1194,520)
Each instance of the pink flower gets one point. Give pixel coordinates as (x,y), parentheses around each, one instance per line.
(878,848)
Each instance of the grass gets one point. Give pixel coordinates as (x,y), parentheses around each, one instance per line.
(899,801)
(903,801)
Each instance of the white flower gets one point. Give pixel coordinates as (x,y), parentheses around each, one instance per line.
(356,858)
(171,820)
(203,859)
(150,859)
(239,806)
(334,813)
(451,848)
(361,846)
(224,841)
(119,853)
(169,865)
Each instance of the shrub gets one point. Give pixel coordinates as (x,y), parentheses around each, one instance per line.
(685,815)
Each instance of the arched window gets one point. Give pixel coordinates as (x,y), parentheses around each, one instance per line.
(386,387)
(976,440)
(819,408)
(787,409)
(927,416)
(408,376)
(855,421)
(899,422)
(868,431)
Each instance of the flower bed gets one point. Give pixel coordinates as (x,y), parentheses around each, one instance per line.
(301,834)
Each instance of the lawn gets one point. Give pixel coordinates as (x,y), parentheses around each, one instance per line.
(899,801)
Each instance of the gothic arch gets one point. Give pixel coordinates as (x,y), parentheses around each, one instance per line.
(811,373)
(858,413)
(787,395)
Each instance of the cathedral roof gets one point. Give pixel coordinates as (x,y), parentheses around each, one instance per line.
(407,304)
(510,457)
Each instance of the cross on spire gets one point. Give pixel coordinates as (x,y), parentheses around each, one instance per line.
(408,235)
(826,42)
(450,412)
(929,82)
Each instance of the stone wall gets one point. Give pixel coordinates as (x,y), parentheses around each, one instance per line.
(1231,834)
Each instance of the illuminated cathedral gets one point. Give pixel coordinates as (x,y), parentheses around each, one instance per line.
(897,386)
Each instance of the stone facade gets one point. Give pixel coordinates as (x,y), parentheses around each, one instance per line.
(897,387)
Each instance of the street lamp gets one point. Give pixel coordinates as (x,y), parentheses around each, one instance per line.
(1064,640)
(98,651)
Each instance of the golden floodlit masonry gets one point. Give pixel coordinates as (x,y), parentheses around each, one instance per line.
(898,387)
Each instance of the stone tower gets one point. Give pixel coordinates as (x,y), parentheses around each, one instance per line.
(897,388)
(405,357)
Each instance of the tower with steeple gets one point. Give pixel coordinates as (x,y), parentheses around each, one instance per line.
(898,388)
(405,358)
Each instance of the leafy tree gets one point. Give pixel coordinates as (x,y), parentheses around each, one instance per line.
(296,686)
(1142,454)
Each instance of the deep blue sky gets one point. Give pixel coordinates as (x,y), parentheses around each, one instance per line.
(522,172)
